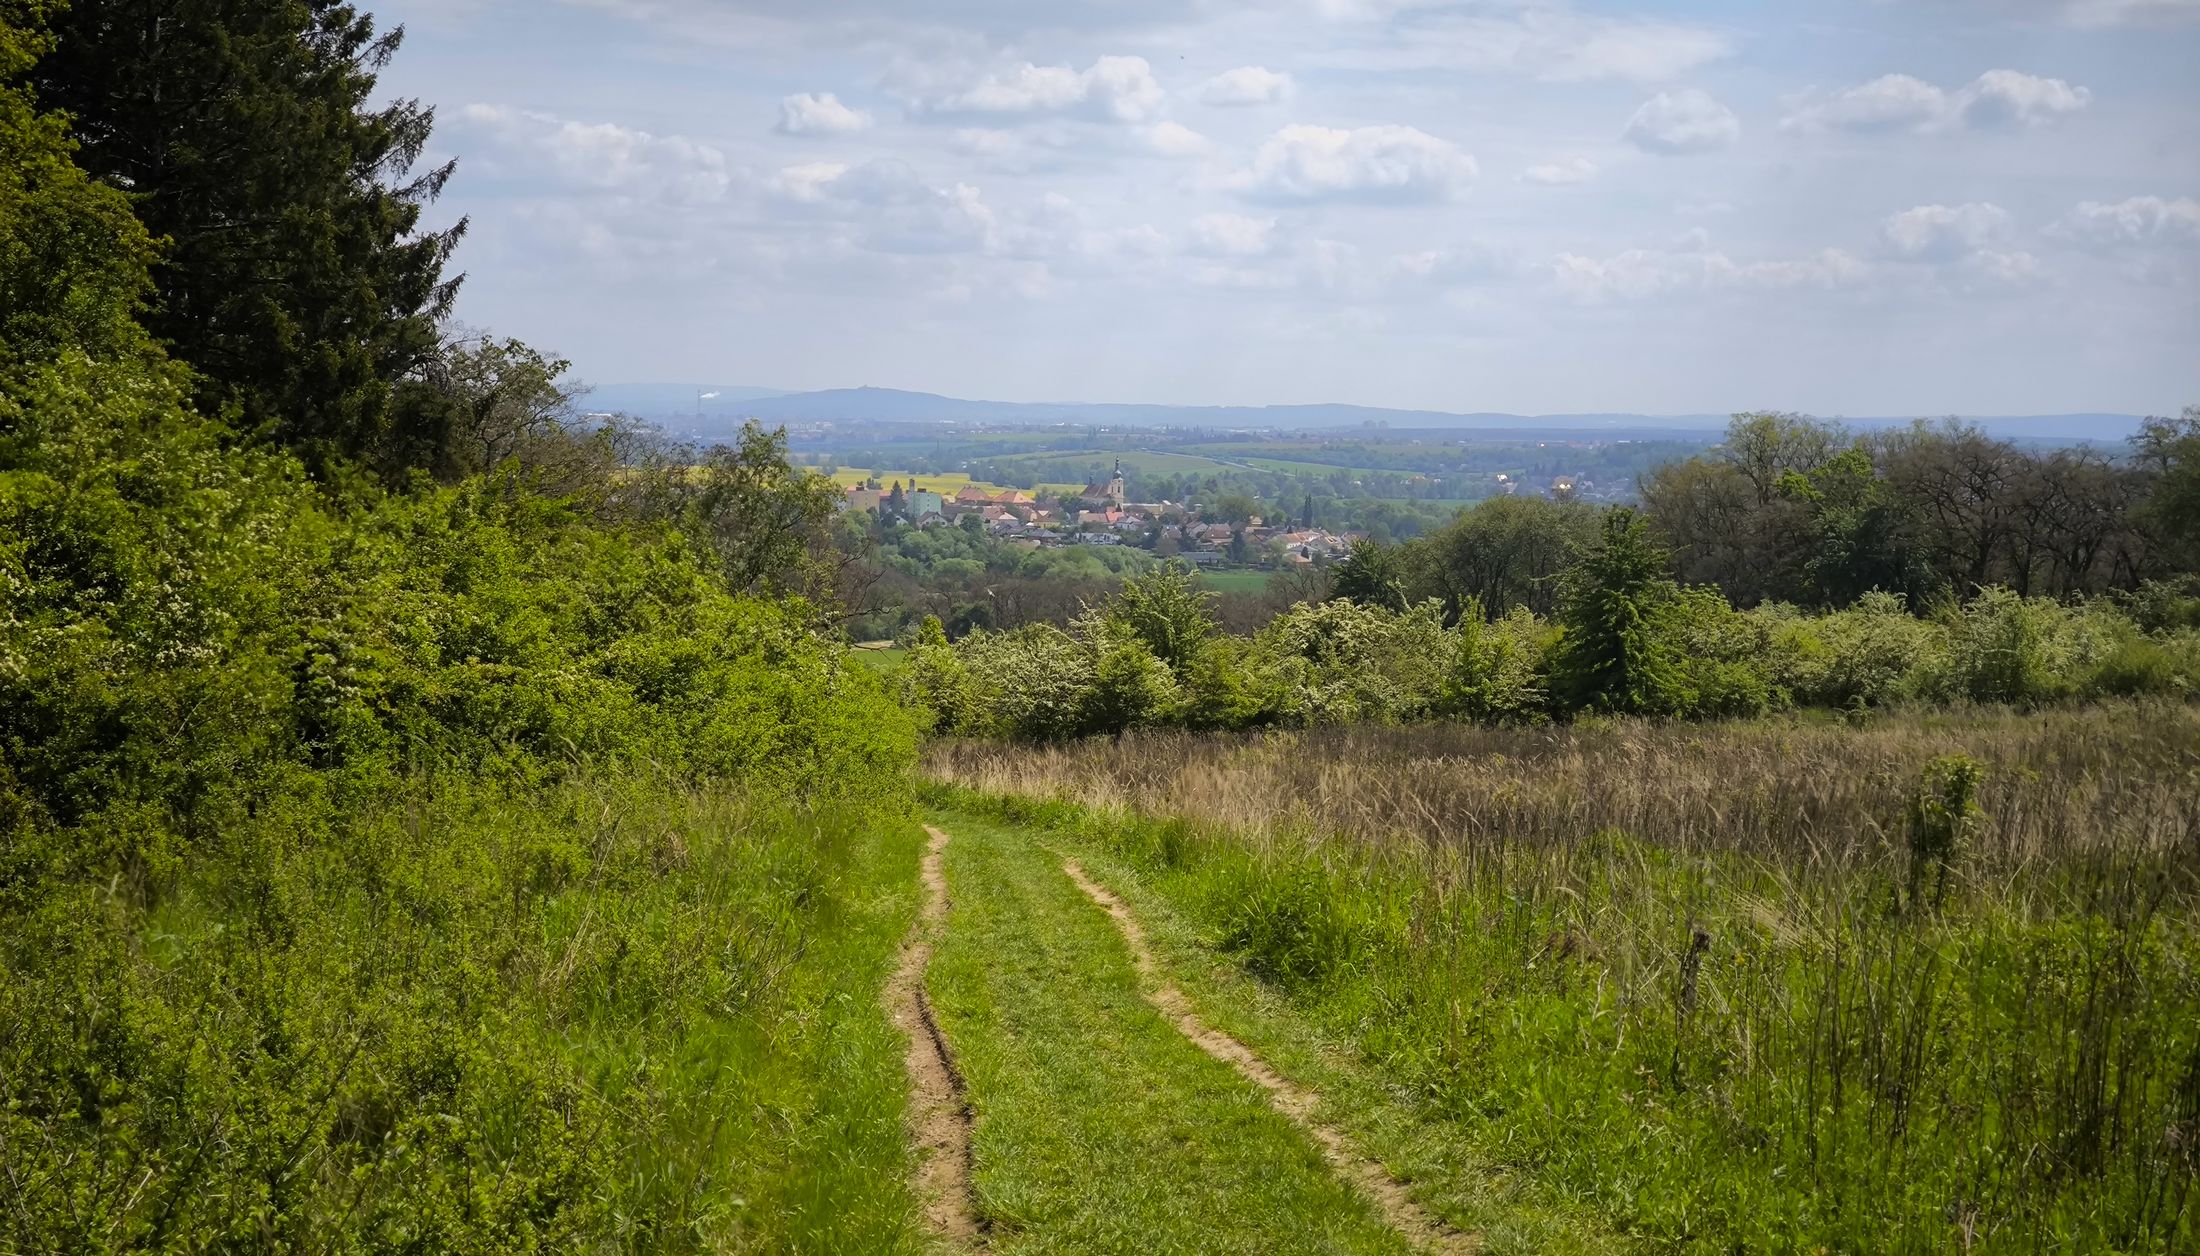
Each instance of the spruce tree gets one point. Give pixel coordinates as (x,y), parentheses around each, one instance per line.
(1618,654)
(295,279)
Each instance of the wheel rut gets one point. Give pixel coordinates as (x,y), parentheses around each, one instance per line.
(1294,1101)
(939,1108)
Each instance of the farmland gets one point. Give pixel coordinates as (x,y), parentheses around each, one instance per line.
(1452,467)
(945,483)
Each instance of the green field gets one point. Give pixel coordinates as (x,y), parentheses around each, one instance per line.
(947,484)
(883,657)
(1590,981)
(1247,581)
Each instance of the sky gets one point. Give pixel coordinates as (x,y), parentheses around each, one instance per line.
(1846,207)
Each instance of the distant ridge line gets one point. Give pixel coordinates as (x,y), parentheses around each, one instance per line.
(734,403)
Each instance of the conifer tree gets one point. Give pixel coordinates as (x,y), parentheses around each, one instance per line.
(296,278)
(1618,654)
(1371,575)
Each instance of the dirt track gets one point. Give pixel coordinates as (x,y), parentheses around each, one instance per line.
(939,1114)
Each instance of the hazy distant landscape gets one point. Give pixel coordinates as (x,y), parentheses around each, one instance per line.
(714,411)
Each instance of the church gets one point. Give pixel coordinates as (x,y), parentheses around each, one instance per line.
(1111,493)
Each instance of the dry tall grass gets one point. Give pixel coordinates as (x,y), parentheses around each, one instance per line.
(2061,784)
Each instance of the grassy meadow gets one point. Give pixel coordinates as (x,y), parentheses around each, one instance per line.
(1248,581)
(947,484)
(1926,982)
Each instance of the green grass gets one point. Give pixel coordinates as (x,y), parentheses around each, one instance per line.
(1099,1127)
(591,1017)
(1310,467)
(885,658)
(1254,581)
(1511,1214)
(1137,462)
(1517,1021)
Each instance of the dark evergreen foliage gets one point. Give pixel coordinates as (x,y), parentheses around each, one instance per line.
(295,276)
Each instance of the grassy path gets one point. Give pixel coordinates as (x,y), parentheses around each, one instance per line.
(1287,1096)
(1099,1127)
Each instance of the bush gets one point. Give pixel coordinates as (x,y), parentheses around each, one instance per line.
(1032,682)
(1724,657)
(1498,671)
(1344,662)
(1876,652)
(2018,650)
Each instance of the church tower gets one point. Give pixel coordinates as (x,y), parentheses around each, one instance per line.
(1109,494)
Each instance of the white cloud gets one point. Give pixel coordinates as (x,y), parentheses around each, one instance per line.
(808,182)
(1022,150)
(2000,98)
(1232,235)
(1112,89)
(1997,268)
(810,113)
(1679,122)
(1943,233)
(1444,268)
(890,208)
(1575,49)
(1564,170)
(1827,268)
(2141,221)
(1892,102)
(1637,274)
(1372,164)
(1898,102)
(1172,139)
(1142,241)
(1542,39)
(1329,267)
(1246,85)
(607,156)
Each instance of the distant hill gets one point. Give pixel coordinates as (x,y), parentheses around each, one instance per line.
(675,405)
(718,404)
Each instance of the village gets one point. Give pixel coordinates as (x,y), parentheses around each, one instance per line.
(1103,514)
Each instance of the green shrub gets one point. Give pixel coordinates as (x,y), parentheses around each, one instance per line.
(1498,673)
(1343,662)
(2006,648)
(1725,657)
(1943,815)
(1032,682)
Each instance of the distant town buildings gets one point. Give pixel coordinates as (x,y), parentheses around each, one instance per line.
(1103,514)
